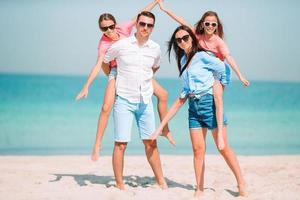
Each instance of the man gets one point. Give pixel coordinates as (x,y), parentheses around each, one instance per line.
(138,58)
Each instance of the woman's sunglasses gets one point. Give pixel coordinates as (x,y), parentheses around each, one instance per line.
(143,24)
(105,28)
(213,24)
(184,38)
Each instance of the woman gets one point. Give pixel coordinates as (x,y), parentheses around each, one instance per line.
(113,32)
(198,70)
(210,34)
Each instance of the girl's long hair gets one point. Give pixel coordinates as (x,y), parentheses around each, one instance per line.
(199,25)
(179,53)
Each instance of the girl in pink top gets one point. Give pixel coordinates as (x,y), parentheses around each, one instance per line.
(113,32)
(209,32)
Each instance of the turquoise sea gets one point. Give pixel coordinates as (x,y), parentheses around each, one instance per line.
(39,116)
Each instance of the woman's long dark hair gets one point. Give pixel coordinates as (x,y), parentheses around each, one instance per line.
(179,53)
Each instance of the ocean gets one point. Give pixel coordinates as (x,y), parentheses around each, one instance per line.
(39,116)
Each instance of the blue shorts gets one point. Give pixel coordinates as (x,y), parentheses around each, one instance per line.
(202,112)
(125,111)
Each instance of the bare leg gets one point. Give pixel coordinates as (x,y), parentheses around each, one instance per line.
(218,98)
(118,163)
(231,160)
(162,107)
(109,98)
(198,137)
(154,161)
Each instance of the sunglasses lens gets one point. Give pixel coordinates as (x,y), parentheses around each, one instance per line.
(142,24)
(185,38)
(213,24)
(178,40)
(103,29)
(111,27)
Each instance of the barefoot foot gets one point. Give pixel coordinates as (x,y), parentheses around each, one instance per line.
(120,186)
(163,185)
(198,194)
(242,190)
(169,136)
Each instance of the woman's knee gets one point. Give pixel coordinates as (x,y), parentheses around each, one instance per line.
(199,151)
(225,150)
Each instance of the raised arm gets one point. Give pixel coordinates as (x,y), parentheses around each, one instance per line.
(171,113)
(178,19)
(148,8)
(93,74)
(236,69)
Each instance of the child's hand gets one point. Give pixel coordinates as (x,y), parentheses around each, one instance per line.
(83,93)
(156,134)
(244,81)
(161,5)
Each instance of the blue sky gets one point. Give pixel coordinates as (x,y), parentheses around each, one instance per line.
(61,36)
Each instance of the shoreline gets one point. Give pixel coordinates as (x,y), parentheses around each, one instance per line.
(77,177)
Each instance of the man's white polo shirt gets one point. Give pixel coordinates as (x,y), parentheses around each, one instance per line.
(135,63)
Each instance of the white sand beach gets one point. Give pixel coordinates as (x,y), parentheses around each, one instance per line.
(76,177)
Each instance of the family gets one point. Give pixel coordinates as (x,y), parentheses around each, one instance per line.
(130,61)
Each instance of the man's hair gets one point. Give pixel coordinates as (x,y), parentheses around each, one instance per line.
(147,14)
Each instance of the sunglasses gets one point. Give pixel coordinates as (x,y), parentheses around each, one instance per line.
(184,38)
(143,24)
(105,28)
(213,24)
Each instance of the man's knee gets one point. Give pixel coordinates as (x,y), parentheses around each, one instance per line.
(149,144)
(121,146)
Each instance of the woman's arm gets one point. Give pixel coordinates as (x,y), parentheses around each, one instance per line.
(171,113)
(148,8)
(93,74)
(178,19)
(236,69)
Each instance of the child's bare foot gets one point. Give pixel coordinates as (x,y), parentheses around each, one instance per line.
(198,194)
(95,153)
(120,186)
(163,184)
(167,133)
(221,143)
(242,190)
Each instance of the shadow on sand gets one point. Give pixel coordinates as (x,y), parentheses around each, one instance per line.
(109,181)
(132,181)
